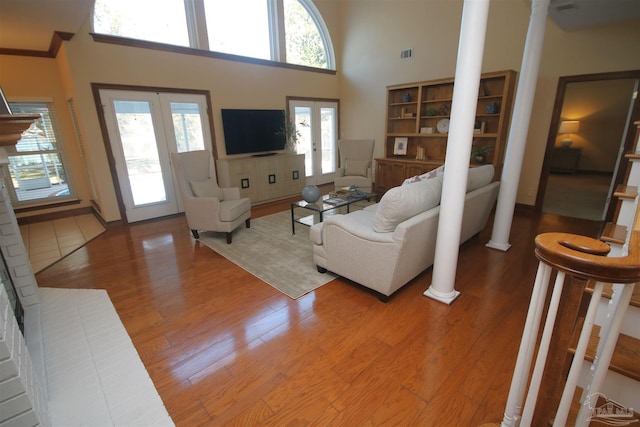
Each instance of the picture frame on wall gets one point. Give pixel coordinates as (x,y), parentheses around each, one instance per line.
(4,105)
(400,146)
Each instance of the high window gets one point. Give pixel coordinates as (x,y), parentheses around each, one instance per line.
(290,31)
(37,173)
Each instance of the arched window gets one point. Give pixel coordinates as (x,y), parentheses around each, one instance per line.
(290,31)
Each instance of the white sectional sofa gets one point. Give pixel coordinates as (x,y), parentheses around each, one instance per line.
(385,245)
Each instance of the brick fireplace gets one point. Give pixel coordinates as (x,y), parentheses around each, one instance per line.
(23,391)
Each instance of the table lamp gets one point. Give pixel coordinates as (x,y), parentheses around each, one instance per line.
(567,127)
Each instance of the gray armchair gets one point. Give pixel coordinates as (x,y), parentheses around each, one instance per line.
(356,164)
(207,206)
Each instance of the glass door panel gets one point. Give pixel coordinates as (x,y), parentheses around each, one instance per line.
(187,126)
(305,142)
(140,150)
(328,131)
(317,126)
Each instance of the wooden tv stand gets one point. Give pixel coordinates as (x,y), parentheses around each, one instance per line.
(264,178)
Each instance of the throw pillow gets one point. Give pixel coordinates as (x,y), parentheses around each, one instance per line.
(439,171)
(353,167)
(401,203)
(479,177)
(207,188)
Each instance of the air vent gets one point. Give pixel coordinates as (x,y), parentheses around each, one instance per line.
(406,53)
(565,7)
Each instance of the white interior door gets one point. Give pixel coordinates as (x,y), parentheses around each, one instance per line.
(317,125)
(144,128)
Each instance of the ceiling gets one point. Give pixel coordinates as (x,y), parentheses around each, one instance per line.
(577,14)
(29,24)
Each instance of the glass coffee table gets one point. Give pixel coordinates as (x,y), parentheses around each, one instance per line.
(324,204)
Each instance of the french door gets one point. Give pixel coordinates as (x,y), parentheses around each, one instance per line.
(144,128)
(317,126)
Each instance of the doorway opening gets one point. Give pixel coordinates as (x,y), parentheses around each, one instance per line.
(591,129)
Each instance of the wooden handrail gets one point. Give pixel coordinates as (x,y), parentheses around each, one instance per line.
(586,258)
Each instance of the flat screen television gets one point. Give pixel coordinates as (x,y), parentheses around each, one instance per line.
(253,131)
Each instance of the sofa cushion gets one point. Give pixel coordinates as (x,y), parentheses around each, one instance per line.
(207,188)
(479,177)
(401,203)
(355,167)
(230,210)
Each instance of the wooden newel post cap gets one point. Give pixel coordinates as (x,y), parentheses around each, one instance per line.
(586,258)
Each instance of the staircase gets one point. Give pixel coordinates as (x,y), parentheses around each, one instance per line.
(622,383)
(587,349)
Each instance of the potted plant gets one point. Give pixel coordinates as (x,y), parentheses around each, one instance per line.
(291,133)
(479,154)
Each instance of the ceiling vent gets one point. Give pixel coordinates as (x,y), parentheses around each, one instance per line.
(566,7)
(406,54)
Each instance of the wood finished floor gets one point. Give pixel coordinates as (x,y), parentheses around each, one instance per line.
(224,348)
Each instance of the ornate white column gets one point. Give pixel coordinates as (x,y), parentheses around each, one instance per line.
(456,169)
(519,126)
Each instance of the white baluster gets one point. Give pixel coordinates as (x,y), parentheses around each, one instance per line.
(538,370)
(527,347)
(578,358)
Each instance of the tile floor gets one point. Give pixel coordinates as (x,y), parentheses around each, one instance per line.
(47,242)
(94,374)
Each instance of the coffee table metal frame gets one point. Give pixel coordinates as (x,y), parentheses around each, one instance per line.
(321,208)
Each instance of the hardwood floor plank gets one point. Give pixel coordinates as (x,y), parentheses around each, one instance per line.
(224,348)
(401,408)
(193,414)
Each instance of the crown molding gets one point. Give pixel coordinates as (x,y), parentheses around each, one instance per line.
(54,47)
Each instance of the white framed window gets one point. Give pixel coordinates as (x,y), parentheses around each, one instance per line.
(304,35)
(143,19)
(289,31)
(239,27)
(37,174)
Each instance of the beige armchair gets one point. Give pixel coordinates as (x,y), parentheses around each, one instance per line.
(356,164)
(207,206)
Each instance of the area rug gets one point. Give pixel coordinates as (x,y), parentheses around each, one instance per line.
(269,251)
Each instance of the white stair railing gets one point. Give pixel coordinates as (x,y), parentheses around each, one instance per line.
(584,258)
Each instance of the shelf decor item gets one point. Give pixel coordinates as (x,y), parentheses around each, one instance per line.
(406,97)
(479,154)
(493,108)
(310,193)
(443,126)
(400,147)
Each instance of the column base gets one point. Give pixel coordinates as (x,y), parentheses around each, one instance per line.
(499,246)
(439,296)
